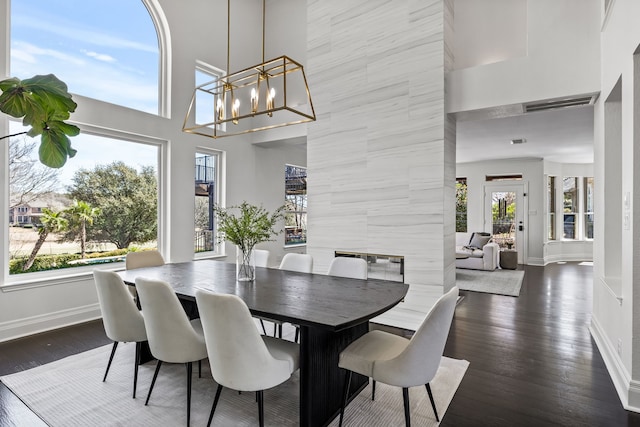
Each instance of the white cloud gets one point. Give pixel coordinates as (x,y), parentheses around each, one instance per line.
(22,49)
(100,56)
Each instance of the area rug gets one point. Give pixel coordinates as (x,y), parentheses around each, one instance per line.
(500,282)
(70,392)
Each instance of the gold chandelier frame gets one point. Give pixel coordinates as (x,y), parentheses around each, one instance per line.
(259,94)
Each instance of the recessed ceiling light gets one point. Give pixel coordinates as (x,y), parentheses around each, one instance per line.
(518,141)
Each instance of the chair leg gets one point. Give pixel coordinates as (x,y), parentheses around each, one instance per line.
(347,385)
(113,351)
(280,330)
(135,368)
(373,390)
(264,330)
(433,403)
(215,403)
(189,372)
(297,333)
(153,381)
(407,416)
(260,396)
(199,368)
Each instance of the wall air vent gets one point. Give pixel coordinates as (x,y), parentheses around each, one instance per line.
(559,103)
(518,141)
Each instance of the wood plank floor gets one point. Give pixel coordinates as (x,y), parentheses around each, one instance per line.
(533,362)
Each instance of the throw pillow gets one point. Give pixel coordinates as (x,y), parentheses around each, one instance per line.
(479,239)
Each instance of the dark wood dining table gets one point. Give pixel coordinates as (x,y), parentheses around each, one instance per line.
(331,311)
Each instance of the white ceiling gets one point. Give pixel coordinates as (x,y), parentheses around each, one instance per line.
(561,135)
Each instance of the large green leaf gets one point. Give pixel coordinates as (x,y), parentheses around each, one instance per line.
(52,91)
(54,148)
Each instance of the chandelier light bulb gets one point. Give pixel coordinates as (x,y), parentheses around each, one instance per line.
(270,98)
(254,100)
(220,109)
(235,110)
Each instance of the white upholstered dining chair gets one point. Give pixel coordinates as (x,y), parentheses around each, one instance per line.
(401,362)
(142,259)
(122,320)
(261,257)
(240,358)
(353,268)
(302,263)
(172,337)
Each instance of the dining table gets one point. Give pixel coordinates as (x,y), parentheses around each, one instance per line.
(331,312)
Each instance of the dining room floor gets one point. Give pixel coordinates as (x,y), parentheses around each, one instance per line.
(532,359)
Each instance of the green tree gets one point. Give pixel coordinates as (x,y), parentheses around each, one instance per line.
(50,222)
(81,213)
(128,200)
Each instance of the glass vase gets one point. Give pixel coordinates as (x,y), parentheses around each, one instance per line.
(245,265)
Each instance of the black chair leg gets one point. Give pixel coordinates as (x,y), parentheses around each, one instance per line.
(347,386)
(433,403)
(264,330)
(113,351)
(199,368)
(407,416)
(373,390)
(189,372)
(153,381)
(135,368)
(260,395)
(297,333)
(215,403)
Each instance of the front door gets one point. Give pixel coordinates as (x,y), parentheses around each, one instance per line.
(505,216)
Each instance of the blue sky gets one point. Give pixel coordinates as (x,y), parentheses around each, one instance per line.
(106,50)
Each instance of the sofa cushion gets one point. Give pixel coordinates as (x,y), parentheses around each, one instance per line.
(479,239)
(470,252)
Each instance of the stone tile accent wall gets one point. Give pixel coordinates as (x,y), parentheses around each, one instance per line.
(381,155)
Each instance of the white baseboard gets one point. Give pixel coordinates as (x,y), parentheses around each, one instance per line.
(535,261)
(627,389)
(47,322)
(567,258)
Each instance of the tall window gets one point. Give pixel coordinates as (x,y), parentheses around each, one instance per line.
(551,207)
(461,205)
(571,207)
(101,205)
(588,197)
(103,50)
(206,197)
(295,202)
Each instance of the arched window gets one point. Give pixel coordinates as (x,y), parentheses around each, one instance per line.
(107,51)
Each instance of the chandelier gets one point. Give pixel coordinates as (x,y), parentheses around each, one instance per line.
(271,94)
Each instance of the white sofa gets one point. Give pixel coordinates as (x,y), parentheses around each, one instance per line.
(487,258)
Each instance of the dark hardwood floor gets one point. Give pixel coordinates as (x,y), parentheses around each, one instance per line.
(533,362)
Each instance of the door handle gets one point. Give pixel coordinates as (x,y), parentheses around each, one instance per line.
(520,228)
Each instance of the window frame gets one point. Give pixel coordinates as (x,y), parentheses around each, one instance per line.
(462,181)
(218,248)
(53,277)
(304,212)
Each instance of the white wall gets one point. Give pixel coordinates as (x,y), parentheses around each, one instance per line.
(616,318)
(251,172)
(560,59)
(480,28)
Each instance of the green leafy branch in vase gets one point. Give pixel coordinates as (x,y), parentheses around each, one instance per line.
(252,225)
(44,104)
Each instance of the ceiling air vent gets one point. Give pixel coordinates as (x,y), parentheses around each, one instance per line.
(559,103)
